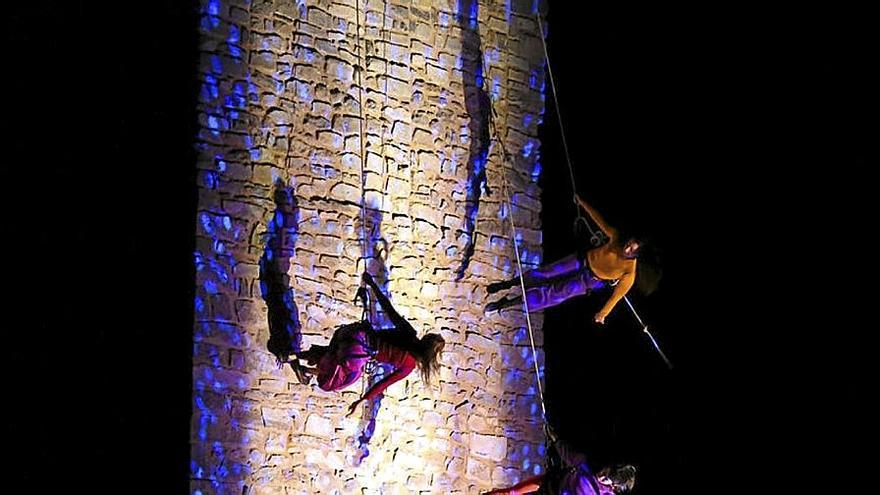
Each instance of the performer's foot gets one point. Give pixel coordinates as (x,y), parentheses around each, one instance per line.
(361,295)
(302,375)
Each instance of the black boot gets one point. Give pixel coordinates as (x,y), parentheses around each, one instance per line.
(303,376)
(497,286)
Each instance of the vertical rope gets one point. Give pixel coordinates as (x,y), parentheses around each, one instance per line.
(556,103)
(522,283)
(505,157)
(594,236)
(360,69)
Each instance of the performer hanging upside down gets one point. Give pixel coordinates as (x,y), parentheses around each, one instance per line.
(578,274)
(568,473)
(341,363)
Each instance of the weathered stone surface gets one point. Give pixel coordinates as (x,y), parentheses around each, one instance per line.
(319,426)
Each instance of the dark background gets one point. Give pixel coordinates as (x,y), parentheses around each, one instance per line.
(728,135)
(738,139)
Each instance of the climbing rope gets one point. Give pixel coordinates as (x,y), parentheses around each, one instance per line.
(360,69)
(362,292)
(597,237)
(522,283)
(648,333)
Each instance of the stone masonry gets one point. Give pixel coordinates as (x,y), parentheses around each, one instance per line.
(279,117)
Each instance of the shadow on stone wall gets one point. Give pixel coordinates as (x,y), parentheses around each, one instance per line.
(479,108)
(285,330)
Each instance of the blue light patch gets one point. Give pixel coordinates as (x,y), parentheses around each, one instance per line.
(474,14)
(214,125)
(218,270)
(234,34)
(235,101)
(493,55)
(210,86)
(206,223)
(199,304)
(533,79)
(302,90)
(199,261)
(444,19)
(209,22)
(213,7)
(211,287)
(496,87)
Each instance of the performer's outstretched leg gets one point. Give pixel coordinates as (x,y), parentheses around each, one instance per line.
(393,316)
(552,292)
(569,264)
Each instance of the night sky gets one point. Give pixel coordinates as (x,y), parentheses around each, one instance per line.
(721,133)
(727,136)
(627,91)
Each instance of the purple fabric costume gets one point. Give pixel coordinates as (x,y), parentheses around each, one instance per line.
(549,285)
